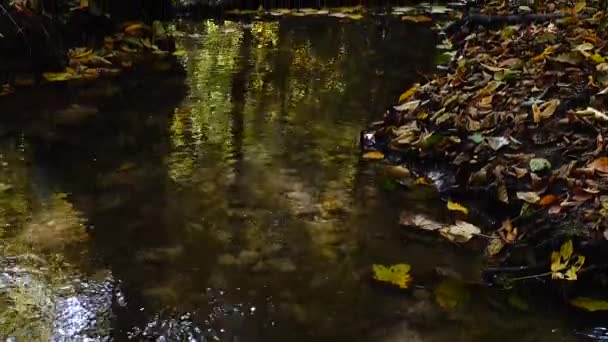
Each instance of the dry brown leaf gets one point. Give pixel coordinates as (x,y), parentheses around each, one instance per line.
(502,193)
(530,197)
(473,125)
(520,171)
(492,68)
(418,221)
(460,231)
(548,108)
(544,111)
(580,195)
(555,209)
(510,62)
(508,232)
(486,102)
(417,19)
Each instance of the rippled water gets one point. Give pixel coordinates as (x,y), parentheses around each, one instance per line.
(230,204)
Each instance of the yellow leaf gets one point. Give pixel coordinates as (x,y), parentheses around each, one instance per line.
(422,181)
(373,155)
(579,6)
(536,113)
(589,304)
(422,115)
(556,265)
(548,51)
(597,58)
(575,267)
(570,275)
(179,53)
(548,108)
(397,275)
(82,53)
(67,75)
(490,88)
(562,260)
(566,250)
(355,16)
(457,207)
(408,93)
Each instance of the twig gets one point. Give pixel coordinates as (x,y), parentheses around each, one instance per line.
(488,236)
(19,28)
(532,276)
(511,268)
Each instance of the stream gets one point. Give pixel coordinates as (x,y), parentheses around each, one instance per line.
(229,203)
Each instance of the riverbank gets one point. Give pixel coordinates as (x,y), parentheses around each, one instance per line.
(36,49)
(518,121)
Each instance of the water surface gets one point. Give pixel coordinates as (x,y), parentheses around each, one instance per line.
(230,203)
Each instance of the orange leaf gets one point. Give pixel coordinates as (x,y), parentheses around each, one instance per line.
(548,200)
(600,164)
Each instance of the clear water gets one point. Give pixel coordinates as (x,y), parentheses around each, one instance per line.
(230,204)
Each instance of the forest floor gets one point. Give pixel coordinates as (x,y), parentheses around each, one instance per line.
(519,118)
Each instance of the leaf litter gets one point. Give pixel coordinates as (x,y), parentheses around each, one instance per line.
(518,110)
(135,42)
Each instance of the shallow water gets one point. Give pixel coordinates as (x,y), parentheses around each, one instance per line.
(230,203)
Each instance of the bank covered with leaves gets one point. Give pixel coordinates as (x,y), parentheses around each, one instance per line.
(519,123)
(35,48)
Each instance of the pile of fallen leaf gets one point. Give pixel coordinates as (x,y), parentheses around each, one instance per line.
(521,114)
(133,43)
